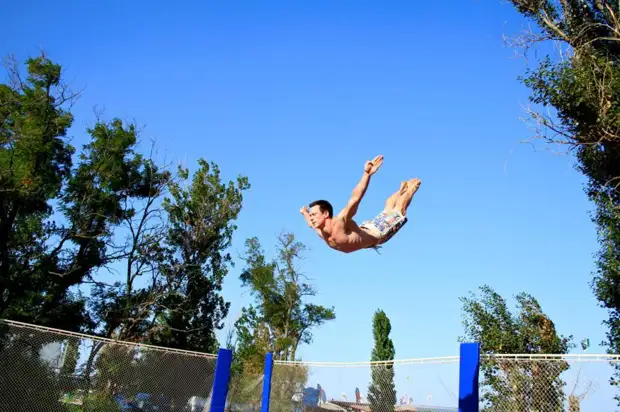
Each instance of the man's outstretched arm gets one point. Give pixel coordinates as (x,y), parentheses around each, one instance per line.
(370,168)
(306,215)
(356,197)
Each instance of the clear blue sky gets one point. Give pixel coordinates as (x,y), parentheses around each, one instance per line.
(297,95)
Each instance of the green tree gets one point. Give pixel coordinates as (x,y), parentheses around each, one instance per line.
(280,290)
(35,161)
(382,391)
(510,384)
(582,85)
(110,186)
(65,219)
(131,187)
(47,256)
(101,197)
(279,321)
(174,264)
(200,229)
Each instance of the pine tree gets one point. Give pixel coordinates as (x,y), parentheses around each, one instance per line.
(382,392)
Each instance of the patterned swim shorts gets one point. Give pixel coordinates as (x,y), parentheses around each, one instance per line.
(385,225)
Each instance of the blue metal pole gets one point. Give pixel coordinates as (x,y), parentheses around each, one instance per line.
(220,382)
(468,377)
(267,382)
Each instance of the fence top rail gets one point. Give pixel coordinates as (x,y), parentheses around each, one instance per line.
(455,359)
(39,328)
(442,359)
(584,357)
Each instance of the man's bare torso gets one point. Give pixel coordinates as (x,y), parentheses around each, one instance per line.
(347,236)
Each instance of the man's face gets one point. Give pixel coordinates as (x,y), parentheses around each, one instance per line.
(317,218)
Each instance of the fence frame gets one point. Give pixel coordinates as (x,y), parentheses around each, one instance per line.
(267,382)
(221,379)
(469,368)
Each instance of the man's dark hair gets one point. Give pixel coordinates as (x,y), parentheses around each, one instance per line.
(324,206)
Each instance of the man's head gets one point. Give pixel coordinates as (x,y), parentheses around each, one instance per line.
(320,211)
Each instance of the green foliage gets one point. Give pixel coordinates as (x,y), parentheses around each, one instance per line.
(60,225)
(382,391)
(180,258)
(35,161)
(278,322)
(200,230)
(584,89)
(100,402)
(98,198)
(529,385)
(287,381)
(125,187)
(381,328)
(67,217)
(26,381)
(280,290)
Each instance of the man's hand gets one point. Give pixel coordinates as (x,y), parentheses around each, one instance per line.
(373,165)
(306,214)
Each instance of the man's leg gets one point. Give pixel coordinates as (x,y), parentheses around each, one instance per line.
(403,201)
(388,226)
(390,203)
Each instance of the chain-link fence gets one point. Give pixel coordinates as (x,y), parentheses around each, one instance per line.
(418,385)
(547,383)
(44,370)
(245,389)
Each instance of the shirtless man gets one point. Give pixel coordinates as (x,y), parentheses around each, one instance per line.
(343,234)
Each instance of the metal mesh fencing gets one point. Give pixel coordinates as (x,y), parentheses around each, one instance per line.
(546,383)
(44,369)
(419,385)
(245,390)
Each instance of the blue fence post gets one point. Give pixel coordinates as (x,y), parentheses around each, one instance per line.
(468,377)
(220,383)
(267,382)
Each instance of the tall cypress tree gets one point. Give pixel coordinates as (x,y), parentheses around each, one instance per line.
(382,392)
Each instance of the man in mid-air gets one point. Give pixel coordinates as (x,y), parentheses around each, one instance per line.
(343,234)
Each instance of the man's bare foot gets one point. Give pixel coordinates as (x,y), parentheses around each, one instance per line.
(403,187)
(413,185)
(403,202)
